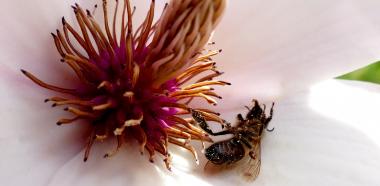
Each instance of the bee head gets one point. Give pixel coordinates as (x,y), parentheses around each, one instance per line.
(254,113)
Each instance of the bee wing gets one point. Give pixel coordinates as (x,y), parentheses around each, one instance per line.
(212,169)
(250,165)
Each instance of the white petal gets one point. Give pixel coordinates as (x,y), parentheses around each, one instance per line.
(323,136)
(33,147)
(278,46)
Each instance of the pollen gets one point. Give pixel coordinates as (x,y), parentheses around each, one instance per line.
(139,84)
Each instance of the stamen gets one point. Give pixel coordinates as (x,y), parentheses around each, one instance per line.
(106,23)
(143,136)
(190,92)
(205,83)
(128,123)
(210,77)
(80,113)
(47,86)
(151,152)
(186,146)
(207,56)
(106,85)
(89,145)
(207,98)
(119,143)
(114,23)
(73,101)
(136,74)
(67,121)
(66,32)
(82,42)
(58,45)
(109,104)
(175,131)
(77,71)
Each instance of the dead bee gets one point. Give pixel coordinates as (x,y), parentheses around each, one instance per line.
(246,139)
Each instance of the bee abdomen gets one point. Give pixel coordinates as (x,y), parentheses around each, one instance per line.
(225,152)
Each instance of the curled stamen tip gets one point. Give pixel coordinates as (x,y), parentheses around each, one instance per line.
(66,109)
(85,159)
(54,104)
(106,155)
(46,100)
(118,131)
(187,141)
(128,94)
(220,50)
(59,123)
(23,71)
(63,21)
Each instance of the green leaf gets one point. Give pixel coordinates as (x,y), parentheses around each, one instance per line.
(370,73)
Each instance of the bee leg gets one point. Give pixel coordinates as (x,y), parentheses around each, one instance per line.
(224,132)
(252,154)
(246,142)
(204,125)
(267,120)
(240,117)
(255,112)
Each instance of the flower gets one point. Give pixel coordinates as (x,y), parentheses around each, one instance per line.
(271,51)
(135,86)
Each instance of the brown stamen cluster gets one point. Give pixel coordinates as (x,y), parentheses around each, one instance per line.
(139,84)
